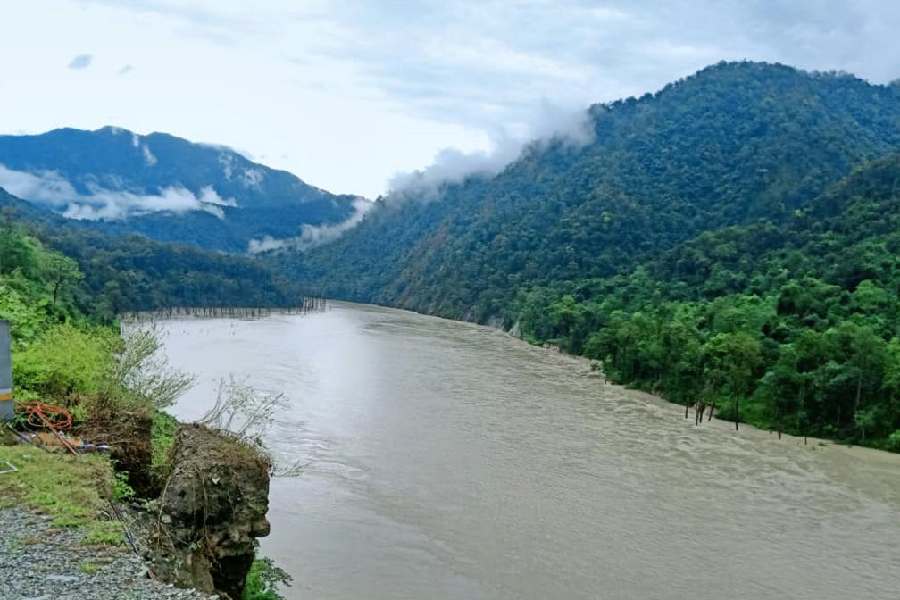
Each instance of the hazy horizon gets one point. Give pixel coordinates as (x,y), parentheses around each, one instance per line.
(324,85)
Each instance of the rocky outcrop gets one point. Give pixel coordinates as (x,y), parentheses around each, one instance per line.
(212,509)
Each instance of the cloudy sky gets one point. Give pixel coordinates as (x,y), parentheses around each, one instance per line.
(348,94)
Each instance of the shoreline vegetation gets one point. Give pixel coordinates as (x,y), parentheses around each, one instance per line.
(590,368)
(743,262)
(115,385)
(731,239)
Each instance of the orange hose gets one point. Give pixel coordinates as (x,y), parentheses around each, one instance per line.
(50,416)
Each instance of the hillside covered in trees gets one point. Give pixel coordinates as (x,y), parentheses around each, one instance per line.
(732,144)
(730,239)
(103,275)
(794,327)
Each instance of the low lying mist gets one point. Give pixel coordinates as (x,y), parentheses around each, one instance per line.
(549,122)
(312,235)
(51,189)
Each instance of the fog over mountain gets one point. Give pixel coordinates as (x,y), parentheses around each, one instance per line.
(547,123)
(168,188)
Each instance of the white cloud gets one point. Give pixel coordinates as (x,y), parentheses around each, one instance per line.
(208,195)
(571,126)
(327,84)
(45,187)
(149,158)
(227,161)
(82,61)
(50,188)
(312,235)
(110,205)
(252,178)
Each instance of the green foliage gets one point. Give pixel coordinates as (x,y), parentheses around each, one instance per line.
(735,144)
(89,567)
(264,579)
(893,441)
(121,489)
(100,276)
(162,437)
(28,318)
(802,338)
(37,286)
(104,533)
(66,361)
(72,490)
(59,354)
(142,375)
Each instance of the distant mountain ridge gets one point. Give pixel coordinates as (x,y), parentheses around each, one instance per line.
(134,273)
(732,144)
(164,187)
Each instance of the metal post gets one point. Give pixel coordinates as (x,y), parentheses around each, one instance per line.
(6,403)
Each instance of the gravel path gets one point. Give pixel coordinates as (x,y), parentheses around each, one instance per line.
(38,561)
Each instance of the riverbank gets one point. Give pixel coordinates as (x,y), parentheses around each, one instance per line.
(585,367)
(72,525)
(444,460)
(60,538)
(41,560)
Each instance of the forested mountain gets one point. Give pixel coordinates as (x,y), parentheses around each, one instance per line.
(163,187)
(736,142)
(793,325)
(731,240)
(102,275)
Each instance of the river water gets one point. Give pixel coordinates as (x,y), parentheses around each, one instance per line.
(448,460)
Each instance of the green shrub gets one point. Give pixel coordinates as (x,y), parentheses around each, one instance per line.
(24,314)
(66,361)
(263,581)
(162,436)
(121,489)
(893,441)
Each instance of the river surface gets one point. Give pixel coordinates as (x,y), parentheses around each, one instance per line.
(448,460)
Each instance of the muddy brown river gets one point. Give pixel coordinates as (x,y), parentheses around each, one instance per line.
(448,460)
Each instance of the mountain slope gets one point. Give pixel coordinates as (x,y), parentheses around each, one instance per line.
(163,187)
(734,143)
(792,326)
(133,273)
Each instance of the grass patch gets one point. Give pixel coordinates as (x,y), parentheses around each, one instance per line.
(104,533)
(162,437)
(89,568)
(73,490)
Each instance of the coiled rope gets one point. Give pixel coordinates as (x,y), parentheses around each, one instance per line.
(40,415)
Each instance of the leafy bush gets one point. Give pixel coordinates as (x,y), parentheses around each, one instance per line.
(162,437)
(141,372)
(893,441)
(264,579)
(67,361)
